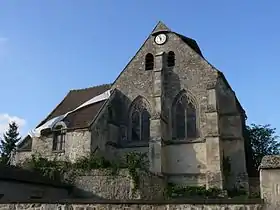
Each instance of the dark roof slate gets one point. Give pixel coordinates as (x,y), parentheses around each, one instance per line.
(84,116)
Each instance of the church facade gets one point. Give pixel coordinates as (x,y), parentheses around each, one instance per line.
(168,102)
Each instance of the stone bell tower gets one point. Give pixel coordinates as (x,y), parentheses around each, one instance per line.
(156,126)
(155,145)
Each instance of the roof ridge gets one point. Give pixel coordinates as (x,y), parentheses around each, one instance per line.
(96,86)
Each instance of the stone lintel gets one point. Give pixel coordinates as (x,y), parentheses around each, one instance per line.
(228,114)
(159,53)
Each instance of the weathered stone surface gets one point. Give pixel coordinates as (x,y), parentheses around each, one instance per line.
(103,185)
(16,190)
(270,161)
(129,206)
(77,144)
(270,182)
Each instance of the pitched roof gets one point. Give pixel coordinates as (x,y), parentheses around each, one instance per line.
(191,43)
(82,117)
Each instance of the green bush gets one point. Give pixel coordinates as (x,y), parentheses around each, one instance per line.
(55,169)
(192,191)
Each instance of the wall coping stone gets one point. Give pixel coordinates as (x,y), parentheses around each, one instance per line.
(234,201)
(270,162)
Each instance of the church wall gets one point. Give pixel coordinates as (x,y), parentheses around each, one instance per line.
(185,163)
(106,129)
(231,131)
(193,74)
(186,158)
(132,82)
(21,156)
(77,144)
(100,132)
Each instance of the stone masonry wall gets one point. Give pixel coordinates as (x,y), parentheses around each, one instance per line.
(36,206)
(105,185)
(191,73)
(77,144)
(270,181)
(21,156)
(231,132)
(13,190)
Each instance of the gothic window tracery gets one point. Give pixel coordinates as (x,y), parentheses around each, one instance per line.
(184,125)
(139,120)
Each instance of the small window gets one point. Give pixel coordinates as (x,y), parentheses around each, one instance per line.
(149,62)
(58,139)
(171,59)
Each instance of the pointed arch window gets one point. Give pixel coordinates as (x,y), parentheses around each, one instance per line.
(171,59)
(184,125)
(139,121)
(149,62)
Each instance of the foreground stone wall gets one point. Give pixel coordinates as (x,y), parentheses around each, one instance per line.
(34,206)
(270,181)
(254,185)
(25,191)
(102,184)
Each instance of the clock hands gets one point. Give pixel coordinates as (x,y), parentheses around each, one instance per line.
(160,39)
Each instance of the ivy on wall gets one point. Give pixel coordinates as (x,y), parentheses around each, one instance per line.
(67,172)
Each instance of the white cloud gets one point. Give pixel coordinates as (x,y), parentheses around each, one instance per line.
(5,119)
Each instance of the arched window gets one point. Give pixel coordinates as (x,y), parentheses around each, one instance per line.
(149,62)
(171,59)
(139,120)
(183,118)
(191,121)
(58,138)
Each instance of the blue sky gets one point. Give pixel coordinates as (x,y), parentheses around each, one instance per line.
(50,47)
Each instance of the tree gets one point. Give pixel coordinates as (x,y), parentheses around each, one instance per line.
(262,140)
(8,143)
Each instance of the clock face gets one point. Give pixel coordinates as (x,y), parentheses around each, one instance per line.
(161,39)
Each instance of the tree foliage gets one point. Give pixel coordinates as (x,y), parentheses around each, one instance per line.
(8,143)
(262,140)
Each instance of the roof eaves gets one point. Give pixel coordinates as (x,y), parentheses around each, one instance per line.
(236,99)
(43,121)
(73,90)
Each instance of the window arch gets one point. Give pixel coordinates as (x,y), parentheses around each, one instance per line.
(171,59)
(149,62)
(139,117)
(184,117)
(58,138)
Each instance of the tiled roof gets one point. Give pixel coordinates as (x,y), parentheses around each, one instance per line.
(84,116)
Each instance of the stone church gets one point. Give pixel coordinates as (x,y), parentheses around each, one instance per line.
(169,102)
